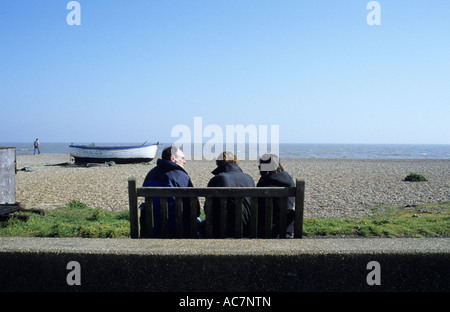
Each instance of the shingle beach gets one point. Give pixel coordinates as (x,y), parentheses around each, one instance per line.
(334,187)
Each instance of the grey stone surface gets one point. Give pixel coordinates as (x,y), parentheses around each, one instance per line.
(407,264)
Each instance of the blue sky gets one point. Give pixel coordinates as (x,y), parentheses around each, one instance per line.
(133,70)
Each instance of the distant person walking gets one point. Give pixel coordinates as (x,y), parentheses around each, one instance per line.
(36,147)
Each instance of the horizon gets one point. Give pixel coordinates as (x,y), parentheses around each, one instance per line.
(235,143)
(323,72)
(284,150)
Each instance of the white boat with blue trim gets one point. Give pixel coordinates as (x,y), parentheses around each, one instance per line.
(119,154)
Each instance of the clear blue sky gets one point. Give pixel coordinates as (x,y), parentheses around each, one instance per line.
(133,70)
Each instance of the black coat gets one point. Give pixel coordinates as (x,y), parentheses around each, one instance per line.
(231,175)
(279,179)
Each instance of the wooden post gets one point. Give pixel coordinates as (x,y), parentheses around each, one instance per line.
(132,199)
(299,208)
(8,169)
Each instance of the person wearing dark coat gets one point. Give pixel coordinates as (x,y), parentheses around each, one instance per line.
(229,174)
(273,175)
(169,172)
(36,146)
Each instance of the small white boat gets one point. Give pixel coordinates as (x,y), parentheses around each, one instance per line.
(118,154)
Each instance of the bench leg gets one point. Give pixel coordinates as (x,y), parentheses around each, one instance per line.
(299,208)
(134,217)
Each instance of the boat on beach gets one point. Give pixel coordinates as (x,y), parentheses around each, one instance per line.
(83,154)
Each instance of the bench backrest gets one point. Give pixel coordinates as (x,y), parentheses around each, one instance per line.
(223,194)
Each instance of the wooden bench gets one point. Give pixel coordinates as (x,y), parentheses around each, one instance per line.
(223,193)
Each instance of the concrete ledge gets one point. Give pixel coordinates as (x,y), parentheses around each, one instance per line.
(227,265)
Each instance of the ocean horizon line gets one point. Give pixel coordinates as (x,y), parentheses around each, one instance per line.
(288,150)
(3,144)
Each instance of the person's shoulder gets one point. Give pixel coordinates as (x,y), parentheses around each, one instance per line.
(154,171)
(217,180)
(249,179)
(282,178)
(178,173)
(285,174)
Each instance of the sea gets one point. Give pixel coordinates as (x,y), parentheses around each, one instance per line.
(293,150)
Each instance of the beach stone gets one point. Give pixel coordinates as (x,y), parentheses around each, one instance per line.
(334,187)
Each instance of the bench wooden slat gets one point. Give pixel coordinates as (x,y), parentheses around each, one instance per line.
(223,216)
(149,216)
(283,215)
(254,217)
(193,217)
(268,217)
(238,222)
(164,217)
(208,217)
(179,217)
(216,191)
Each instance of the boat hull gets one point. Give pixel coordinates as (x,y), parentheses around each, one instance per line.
(119,154)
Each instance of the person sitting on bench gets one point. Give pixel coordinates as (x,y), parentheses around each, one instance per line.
(169,172)
(229,174)
(273,175)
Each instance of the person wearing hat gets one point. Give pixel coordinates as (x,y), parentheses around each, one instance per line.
(273,175)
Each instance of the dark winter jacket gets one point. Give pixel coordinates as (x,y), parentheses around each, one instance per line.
(231,175)
(279,179)
(167,174)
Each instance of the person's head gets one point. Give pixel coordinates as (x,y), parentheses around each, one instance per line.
(269,163)
(174,154)
(226,157)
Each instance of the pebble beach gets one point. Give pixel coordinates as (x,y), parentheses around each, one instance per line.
(334,187)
